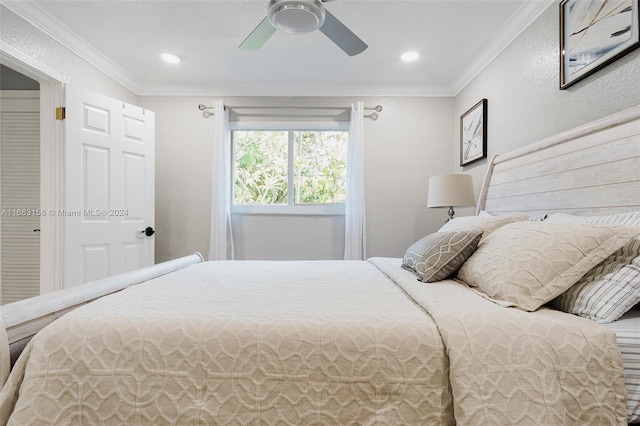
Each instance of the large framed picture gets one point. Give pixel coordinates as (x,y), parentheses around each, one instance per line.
(593,34)
(473,133)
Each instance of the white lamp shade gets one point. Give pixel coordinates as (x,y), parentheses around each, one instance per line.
(451,190)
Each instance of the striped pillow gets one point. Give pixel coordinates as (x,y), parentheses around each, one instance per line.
(610,289)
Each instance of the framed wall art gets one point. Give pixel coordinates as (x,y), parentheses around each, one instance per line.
(473,133)
(594,34)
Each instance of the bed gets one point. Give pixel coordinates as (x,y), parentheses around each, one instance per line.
(383,341)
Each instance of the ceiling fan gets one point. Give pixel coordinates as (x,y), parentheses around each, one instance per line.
(301,17)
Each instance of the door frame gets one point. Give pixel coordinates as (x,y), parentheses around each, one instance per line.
(51,162)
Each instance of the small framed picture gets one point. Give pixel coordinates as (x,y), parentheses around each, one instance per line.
(594,34)
(473,133)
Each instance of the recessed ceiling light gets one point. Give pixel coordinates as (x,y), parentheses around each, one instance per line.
(171,58)
(410,56)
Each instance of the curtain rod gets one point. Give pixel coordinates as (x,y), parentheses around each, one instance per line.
(206,114)
(202,107)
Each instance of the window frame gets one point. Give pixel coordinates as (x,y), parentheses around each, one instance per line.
(328,209)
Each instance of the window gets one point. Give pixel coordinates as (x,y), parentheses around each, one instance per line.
(289,171)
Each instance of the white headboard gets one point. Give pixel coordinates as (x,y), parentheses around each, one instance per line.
(593,169)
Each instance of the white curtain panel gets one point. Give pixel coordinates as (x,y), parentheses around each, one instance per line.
(355,229)
(221,239)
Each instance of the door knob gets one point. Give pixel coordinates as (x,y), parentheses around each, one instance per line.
(149,231)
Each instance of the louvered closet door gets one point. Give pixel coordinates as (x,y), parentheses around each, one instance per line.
(20,196)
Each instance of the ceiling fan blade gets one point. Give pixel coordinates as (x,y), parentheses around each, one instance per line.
(342,36)
(258,36)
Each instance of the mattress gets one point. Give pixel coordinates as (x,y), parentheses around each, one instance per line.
(627,330)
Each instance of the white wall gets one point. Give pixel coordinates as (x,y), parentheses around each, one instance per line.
(410,142)
(27,39)
(413,139)
(525,103)
(407,144)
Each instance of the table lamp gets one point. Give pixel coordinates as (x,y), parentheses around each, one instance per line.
(450,190)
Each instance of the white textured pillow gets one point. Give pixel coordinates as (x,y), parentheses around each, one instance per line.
(610,289)
(533,218)
(483,222)
(527,264)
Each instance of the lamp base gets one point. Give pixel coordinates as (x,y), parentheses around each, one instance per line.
(450,213)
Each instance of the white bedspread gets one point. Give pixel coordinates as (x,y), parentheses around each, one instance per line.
(239,343)
(332,342)
(509,366)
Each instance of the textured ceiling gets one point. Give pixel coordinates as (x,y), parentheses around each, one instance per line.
(452,36)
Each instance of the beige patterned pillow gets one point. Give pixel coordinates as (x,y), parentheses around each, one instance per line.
(437,256)
(609,290)
(484,223)
(526,264)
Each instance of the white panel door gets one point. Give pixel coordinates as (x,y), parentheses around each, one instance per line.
(110,173)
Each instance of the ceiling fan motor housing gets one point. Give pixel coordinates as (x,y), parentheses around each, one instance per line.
(296,16)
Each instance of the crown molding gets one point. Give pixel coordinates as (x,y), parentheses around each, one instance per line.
(28,66)
(52,27)
(524,16)
(39,18)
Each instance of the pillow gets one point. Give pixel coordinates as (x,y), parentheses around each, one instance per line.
(483,222)
(526,264)
(612,288)
(533,218)
(437,256)
(5,356)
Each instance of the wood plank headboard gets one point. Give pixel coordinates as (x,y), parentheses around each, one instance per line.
(593,169)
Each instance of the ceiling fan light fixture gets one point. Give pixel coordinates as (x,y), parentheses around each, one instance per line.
(296,16)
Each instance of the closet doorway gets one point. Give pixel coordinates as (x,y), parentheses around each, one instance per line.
(31,149)
(19,186)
